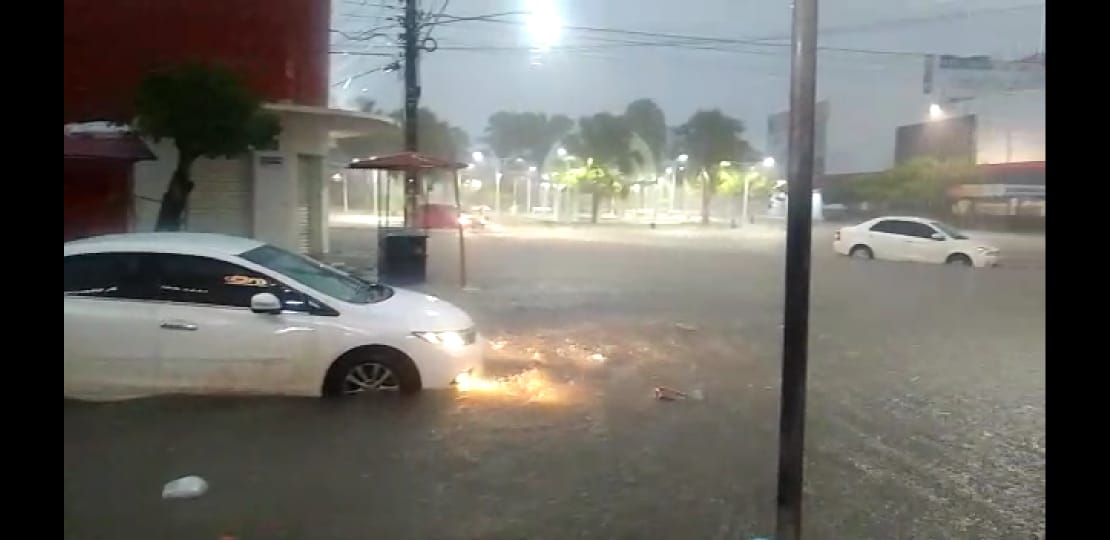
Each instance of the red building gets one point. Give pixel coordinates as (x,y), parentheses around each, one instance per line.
(279,47)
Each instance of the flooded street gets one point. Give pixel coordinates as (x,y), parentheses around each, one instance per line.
(925,412)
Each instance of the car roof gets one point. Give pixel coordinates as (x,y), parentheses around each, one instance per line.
(188,243)
(902,218)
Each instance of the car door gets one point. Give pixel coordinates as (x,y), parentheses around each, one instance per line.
(920,246)
(886,238)
(210,340)
(109,343)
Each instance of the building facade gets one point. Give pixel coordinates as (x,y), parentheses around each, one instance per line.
(278,47)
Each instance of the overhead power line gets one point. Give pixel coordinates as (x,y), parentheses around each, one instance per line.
(680,40)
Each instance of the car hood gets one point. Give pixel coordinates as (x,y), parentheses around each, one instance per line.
(421,312)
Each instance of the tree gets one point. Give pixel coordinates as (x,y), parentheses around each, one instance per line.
(208,112)
(710,137)
(918,185)
(647,120)
(526,135)
(604,142)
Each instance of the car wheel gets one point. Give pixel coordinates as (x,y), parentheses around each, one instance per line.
(861,252)
(373,370)
(959,259)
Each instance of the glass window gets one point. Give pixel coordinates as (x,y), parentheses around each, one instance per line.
(950,230)
(107,275)
(918,230)
(318,276)
(889,226)
(201,280)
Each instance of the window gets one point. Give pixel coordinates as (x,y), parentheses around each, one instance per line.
(318,276)
(201,280)
(919,230)
(108,275)
(889,226)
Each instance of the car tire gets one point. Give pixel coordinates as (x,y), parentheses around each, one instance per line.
(959,259)
(861,252)
(371,370)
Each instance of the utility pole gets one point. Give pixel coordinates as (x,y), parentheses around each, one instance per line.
(412,107)
(799,223)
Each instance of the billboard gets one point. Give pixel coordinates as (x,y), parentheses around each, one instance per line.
(950,138)
(778,139)
(956,78)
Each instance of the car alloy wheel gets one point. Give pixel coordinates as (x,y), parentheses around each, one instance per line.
(370,377)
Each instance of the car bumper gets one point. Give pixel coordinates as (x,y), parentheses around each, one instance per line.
(439,366)
(987,261)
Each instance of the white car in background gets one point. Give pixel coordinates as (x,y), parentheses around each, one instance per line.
(164,313)
(898,238)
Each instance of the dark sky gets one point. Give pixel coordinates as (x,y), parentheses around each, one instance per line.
(587,72)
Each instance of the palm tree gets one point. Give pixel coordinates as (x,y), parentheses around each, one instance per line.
(604,142)
(709,138)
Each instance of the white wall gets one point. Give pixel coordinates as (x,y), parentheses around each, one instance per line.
(1011,126)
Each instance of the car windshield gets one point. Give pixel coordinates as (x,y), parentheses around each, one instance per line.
(318,276)
(949,230)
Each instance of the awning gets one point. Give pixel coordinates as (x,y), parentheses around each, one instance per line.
(404,161)
(122,146)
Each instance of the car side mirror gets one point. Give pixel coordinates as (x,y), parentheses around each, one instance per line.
(265,303)
(938,237)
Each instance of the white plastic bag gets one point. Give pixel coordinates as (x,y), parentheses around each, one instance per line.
(185,488)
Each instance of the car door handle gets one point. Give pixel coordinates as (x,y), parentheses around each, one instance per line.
(175,325)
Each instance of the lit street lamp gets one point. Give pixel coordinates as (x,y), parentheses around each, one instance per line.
(935,112)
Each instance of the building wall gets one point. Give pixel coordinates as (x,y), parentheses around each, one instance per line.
(273,175)
(280,47)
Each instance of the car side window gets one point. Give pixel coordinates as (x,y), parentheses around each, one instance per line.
(202,280)
(889,226)
(918,230)
(108,275)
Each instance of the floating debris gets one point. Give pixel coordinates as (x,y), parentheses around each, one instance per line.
(186,487)
(662,393)
(598,357)
(498,344)
(685,327)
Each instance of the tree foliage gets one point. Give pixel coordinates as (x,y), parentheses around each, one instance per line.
(525,135)
(208,112)
(603,142)
(710,137)
(648,121)
(920,184)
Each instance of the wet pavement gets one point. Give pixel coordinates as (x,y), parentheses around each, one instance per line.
(926,411)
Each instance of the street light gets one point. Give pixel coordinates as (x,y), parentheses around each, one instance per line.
(683,158)
(935,112)
(561,152)
(768,163)
(476,156)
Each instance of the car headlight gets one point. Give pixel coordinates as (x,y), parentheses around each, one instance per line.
(450,340)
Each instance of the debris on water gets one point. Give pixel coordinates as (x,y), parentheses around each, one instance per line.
(697,394)
(662,393)
(497,345)
(684,326)
(597,357)
(186,487)
(537,356)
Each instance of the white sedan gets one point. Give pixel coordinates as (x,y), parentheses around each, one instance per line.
(896,238)
(159,313)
